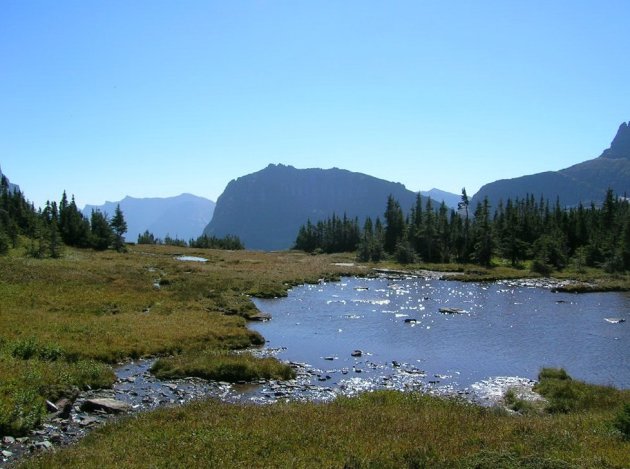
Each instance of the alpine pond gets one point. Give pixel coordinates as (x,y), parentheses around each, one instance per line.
(448,336)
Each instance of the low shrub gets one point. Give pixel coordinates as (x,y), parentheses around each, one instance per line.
(622,421)
(566,395)
(513,402)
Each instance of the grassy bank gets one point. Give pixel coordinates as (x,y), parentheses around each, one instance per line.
(63,320)
(383,429)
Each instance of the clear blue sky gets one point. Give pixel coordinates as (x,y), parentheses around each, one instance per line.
(155,98)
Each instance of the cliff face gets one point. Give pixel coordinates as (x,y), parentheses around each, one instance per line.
(585,182)
(266,209)
(620,146)
(184,216)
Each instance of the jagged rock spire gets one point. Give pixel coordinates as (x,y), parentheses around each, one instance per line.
(620,146)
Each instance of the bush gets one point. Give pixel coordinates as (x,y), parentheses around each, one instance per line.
(28,348)
(541,267)
(566,395)
(622,421)
(20,411)
(513,402)
(404,253)
(4,243)
(553,373)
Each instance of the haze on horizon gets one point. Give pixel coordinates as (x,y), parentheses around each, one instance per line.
(153,99)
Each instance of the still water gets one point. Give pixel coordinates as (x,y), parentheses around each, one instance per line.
(505,329)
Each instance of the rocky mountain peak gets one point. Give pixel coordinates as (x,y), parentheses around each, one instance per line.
(620,146)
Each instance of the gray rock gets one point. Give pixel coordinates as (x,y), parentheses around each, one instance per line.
(45,445)
(88,421)
(111,406)
(64,407)
(7,454)
(8,440)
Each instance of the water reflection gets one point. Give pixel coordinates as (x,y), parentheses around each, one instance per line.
(498,329)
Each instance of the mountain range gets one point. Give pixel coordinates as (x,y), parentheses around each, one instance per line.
(585,182)
(184,216)
(266,209)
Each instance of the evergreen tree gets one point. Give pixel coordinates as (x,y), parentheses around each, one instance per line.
(395,224)
(119,226)
(482,234)
(148,238)
(75,229)
(101,234)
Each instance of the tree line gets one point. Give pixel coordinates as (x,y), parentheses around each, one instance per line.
(55,225)
(519,230)
(204,241)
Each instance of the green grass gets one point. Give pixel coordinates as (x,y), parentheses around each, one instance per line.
(565,394)
(382,429)
(63,321)
(221,366)
(33,372)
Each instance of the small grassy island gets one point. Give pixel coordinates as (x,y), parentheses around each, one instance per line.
(66,321)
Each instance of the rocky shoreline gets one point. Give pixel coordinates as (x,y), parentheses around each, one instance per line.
(137,390)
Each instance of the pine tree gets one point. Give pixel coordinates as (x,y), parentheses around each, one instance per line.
(119,225)
(101,234)
(482,234)
(395,224)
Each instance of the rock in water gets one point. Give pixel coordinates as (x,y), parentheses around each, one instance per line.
(111,406)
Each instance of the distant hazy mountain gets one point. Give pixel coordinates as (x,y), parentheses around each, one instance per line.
(184,216)
(583,182)
(12,187)
(266,209)
(451,200)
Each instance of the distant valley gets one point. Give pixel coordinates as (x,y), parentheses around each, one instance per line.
(183,217)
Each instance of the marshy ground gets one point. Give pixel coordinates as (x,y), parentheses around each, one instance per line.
(65,322)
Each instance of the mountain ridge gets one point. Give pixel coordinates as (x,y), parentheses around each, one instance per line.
(265,209)
(583,182)
(183,216)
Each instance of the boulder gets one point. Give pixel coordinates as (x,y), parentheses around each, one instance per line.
(261,317)
(111,406)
